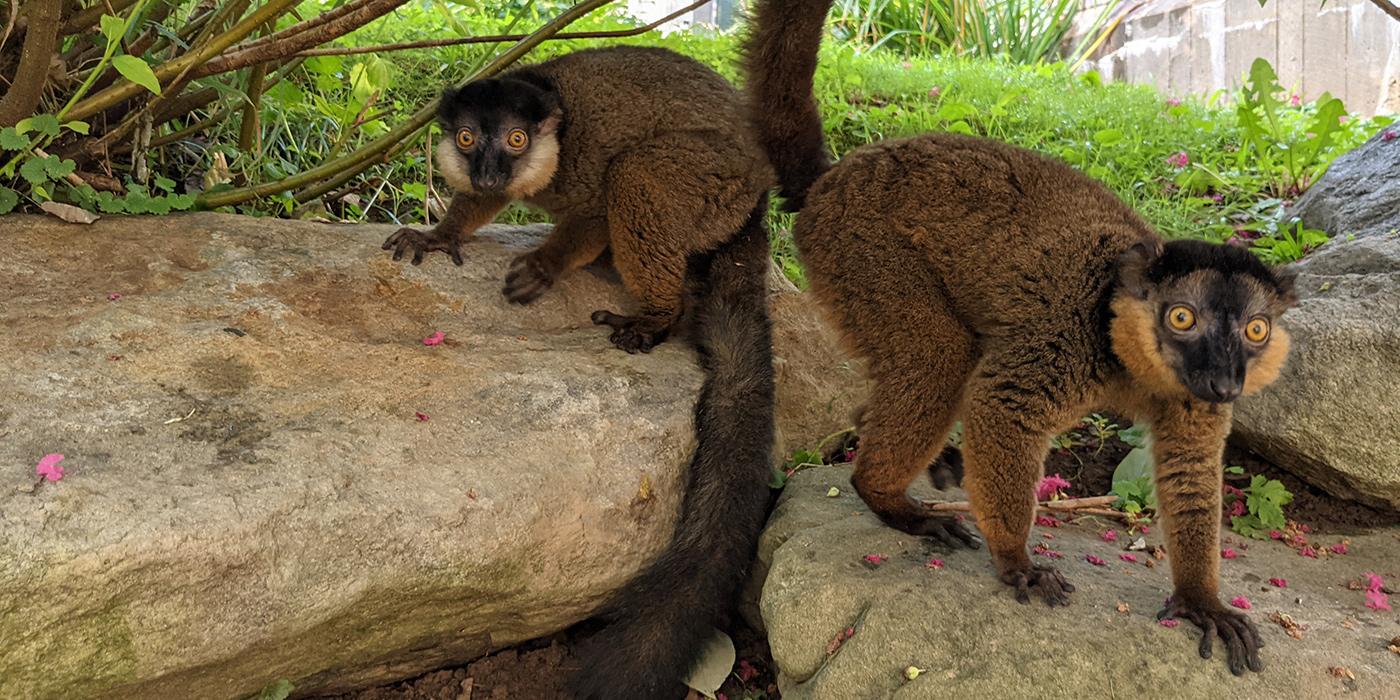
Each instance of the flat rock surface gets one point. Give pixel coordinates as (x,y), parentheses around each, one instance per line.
(973,640)
(249,493)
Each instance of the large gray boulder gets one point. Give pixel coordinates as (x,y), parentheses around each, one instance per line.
(1333,417)
(249,495)
(841,627)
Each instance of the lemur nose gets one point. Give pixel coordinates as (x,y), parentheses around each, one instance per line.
(1224,389)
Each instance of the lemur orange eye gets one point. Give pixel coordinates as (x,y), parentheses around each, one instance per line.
(1181,317)
(465,138)
(1257,330)
(517,139)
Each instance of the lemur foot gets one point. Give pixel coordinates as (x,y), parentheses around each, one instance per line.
(1053,587)
(1241,637)
(418,242)
(944,527)
(633,333)
(527,278)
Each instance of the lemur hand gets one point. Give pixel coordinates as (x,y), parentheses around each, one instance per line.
(420,242)
(1241,637)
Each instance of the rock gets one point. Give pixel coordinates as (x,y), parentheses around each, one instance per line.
(1333,417)
(1359,195)
(970,639)
(249,496)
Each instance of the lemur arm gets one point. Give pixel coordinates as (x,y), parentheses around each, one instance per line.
(468,212)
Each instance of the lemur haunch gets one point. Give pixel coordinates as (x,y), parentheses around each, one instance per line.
(985,282)
(650,154)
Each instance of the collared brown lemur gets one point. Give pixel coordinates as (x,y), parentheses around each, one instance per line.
(651,155)
(985,282)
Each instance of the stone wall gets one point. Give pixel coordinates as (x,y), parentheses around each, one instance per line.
(1349,48)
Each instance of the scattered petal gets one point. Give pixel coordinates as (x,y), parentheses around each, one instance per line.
(1179,159)
(1048,535)
(1046,521)
(1275,535)
(1109,536)
(1294,100)
(1307,551)
(1228,553)
(114,296)
(850,632)
(435,339)
(1237,508)
(1278,582)
(746,671)
(471,493)
(935,564)
(1389,135)
(875,559)
(421,416)
(1376,599)
(1128,557)
(1096,561)
(49,467)
(1169,622)
(1339,548)
(1173,102)
(1241,602)
(934,92)
(1045,551)
(1286,621)
(833,492)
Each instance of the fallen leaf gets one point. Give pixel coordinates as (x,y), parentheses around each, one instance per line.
(1349,623)
(434,339)
(715,661)
(1123,607)
(49,467)
(1394,645)
(1159,552)
(1285,621)
(1138,545)
(471,493)
(833,492)
(1341,672)
(69,213)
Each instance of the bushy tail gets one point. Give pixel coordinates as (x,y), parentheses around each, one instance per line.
(780,57)
(657,623)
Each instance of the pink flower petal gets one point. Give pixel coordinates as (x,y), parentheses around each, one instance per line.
(1373,581)
(1377,600)
(875,559)
(1173,102)
(1389,135)
(1237,508)
(1045,551)
(1339,548)
(1278,582)
(1169,622)
(1046,521)
(1049,486)
(1241,602)
(421,416)
(1275,535)
(49,467)
(114,296)
(1096,561)
(1109,536)
(1128,557)
(1228,553)
(435,339)
(1307,551)
(1179,159)
(934,564)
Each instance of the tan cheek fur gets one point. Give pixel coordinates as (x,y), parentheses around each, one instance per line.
(1264,369)
(1135,343)
(452,167)
(537,169)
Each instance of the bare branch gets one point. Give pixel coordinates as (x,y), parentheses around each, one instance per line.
(498,38)
(40,40)
(305,39)
(87,19)
(1388,7)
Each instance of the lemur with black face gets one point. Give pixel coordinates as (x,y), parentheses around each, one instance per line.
(650,154)
(985,282)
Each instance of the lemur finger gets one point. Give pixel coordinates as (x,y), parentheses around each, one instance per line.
(456,254)
(1207,626)
(1234,647)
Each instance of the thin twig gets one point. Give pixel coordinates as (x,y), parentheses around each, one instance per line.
(1077,506)
(282,48)
(498,38)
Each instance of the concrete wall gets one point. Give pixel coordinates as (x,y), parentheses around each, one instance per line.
(1349,48)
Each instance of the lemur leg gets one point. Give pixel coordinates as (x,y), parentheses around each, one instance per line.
(918,356)
(1188,439)
(572,244)
(468,212)
(677,195)
(1014,404)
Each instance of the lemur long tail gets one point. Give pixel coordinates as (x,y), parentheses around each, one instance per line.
(656,624)
(780,57)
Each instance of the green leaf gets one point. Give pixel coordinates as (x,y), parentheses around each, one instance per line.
(1108,136)
(1234,470)
(8,199)
(137,71)
(58,169)
(165,184)
(35,170)
(46,124)
(12,140)
(276,691)
(77,127)
(112,28)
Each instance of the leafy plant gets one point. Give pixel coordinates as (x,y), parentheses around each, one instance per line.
(1021,31)
(801,459)
(1289,161)
(1264,500)
(1289,245)
(1132,478)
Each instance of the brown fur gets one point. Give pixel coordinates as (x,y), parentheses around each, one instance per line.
(983,281)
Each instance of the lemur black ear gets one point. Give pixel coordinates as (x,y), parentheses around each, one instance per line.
(1286,277)
(447,104)
(1133,265)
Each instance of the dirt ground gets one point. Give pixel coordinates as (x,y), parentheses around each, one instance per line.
(539,669)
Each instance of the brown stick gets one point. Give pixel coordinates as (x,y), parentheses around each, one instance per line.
(40,40)
(1091,505)
(318,20)
(87,19)
(1388,8)
(279,49)
(498,38)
